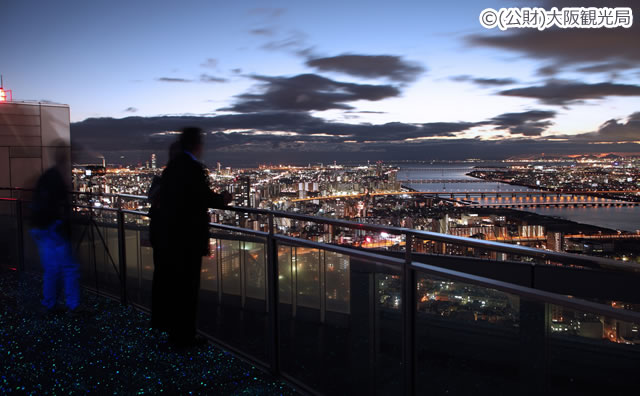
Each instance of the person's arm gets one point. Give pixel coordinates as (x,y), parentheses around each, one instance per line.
(212,200)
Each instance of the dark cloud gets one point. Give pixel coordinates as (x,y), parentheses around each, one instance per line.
(615,131)
(130,110)
(295,137)
(484,81)
(174,80)
(211,79)
(294,42)
(566,47)
(269,127)
(611,67)
(307,92)
(394,68)
(565,92)
(210,63)
(263,31)
(528,123)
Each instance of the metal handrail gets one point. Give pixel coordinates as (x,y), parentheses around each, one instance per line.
(501,247)
(396,264)
(562,257)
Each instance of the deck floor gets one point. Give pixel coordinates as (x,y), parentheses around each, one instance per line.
(111,351)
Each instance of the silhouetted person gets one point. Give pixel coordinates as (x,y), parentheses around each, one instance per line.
(161,286)
(185,197)
(51,209)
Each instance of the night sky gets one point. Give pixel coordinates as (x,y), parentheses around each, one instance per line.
(299,82)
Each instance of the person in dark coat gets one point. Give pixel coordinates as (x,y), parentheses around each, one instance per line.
(51,210)
(185,197)
(161,283)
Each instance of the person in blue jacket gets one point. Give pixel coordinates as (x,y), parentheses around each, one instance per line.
(51,210)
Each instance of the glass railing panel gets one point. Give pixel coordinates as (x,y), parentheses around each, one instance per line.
(337,283)
(81,247)
(591,353)
(255,271)
(387,326)
(133,263)
(338,342)
(467,339)
(8,235)
(105,246)
(228,311)
(285,292)
(146,267)
(209,273)
(306,275)
(230,254)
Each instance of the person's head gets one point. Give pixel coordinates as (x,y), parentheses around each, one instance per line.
(191,140)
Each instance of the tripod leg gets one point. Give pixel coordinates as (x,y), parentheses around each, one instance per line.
(84,232)
(106,248)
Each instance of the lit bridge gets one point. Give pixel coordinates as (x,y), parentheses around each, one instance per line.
(471,194)
(444,181)
(571,203)
(424,313)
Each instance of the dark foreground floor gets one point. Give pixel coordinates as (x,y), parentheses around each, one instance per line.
(110,352)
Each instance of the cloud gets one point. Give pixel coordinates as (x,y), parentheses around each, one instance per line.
(615,131)
(237,70)
(265,31)
(211,79)
(306,92)
(210,63)
(528,123)
(562,93)
(611,67)
(295,42)
(297,137)
(566,47)
(174,80)
(484,82)
(130,110)
(391,67)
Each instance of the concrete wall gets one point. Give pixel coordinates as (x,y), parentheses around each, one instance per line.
(30,134)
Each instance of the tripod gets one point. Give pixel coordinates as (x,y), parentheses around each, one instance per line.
(89,231)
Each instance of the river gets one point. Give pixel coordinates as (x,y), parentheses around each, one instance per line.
(620,218)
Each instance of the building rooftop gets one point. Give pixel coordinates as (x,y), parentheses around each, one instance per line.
(112,351)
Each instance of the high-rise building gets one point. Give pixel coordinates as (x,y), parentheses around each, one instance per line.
(245,191)
(153,161)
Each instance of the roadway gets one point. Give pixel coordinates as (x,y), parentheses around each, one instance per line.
(469,194)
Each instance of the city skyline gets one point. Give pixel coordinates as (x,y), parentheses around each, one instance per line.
(296,84)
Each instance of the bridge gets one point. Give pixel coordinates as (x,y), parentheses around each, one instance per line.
(549,204)
(470,194)
(446,181)
(446,170)
(602,237)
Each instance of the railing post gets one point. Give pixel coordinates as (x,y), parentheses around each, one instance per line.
(534,354)
(409,315)
(272,287)
(20,232)
(122,257)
